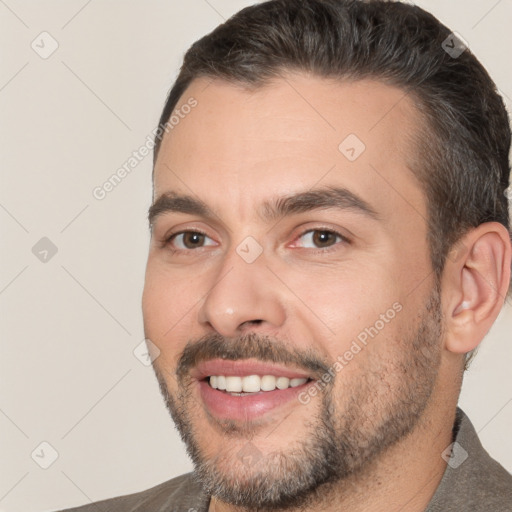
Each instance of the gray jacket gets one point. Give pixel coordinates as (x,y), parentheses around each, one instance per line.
(472,482)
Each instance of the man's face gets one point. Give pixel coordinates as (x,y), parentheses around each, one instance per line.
(304,278)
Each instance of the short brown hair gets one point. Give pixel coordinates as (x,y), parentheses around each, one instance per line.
(462,161)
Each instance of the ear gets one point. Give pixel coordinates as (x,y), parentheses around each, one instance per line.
(474,285)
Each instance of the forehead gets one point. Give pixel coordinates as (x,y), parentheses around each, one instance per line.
(295,132)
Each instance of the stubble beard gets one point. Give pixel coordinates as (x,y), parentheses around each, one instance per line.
(381,408)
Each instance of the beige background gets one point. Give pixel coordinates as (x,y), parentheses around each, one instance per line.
(70,325)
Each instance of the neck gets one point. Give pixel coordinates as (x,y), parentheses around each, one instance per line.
(405,477)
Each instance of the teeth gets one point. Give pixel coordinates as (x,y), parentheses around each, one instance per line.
(282,383)
(221,382)
(268,383)
(253,383)
(233,384)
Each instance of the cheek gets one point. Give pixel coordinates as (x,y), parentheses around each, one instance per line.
(156,303)
(344,302)
(168,293)
(168,307)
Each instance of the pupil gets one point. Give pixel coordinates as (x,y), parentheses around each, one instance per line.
(192,240)
(323,238)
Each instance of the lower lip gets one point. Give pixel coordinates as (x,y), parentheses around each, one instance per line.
(246,407)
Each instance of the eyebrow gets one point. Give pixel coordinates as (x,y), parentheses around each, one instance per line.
(272,210)
(316,199)
(173,202)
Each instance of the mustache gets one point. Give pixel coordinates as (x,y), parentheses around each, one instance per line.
(247,346)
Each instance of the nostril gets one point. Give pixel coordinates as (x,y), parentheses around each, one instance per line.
(252,322)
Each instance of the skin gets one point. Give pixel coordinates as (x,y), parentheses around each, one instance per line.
(241,147)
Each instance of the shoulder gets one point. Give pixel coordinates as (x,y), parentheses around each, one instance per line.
(473,480)
(182,494)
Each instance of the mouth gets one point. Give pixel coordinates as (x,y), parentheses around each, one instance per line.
(247,389)
(251,384)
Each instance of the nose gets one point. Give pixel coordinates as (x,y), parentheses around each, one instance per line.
(243,296)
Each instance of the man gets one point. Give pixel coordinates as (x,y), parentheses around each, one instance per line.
(330,243)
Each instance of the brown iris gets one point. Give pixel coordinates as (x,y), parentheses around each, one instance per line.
(324,238)
(192,240)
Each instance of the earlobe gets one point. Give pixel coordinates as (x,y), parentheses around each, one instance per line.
(475,286)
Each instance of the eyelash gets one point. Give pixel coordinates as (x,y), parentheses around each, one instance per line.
(324,250)
(167,241)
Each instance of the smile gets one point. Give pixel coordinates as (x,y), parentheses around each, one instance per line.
(253,383)
(248,389)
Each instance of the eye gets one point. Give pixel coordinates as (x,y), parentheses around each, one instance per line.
(186,240)
(320,238)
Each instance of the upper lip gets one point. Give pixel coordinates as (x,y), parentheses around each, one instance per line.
(244,367)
